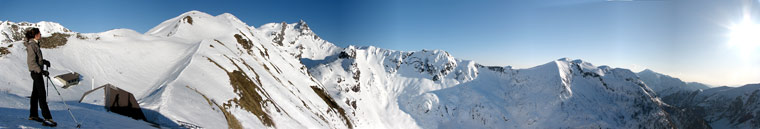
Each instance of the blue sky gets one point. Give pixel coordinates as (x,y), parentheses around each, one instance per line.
(682,38)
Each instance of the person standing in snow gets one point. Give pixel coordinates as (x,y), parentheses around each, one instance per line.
(36,62)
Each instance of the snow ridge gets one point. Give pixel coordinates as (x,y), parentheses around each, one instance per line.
(298,40)
(665,85)
(418,88)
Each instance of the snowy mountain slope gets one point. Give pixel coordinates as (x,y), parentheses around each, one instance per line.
(213,72)
(668,89)
(298,40)
(142,61)
(275,94)
(14,113)
(371,99)
(199,70)
(431,89)
(665,85)
(698,85)
(722,107)
(121,57)
(11,31)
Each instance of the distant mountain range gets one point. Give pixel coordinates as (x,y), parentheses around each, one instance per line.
(199,70)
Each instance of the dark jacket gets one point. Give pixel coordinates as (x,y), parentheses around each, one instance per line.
(33,56)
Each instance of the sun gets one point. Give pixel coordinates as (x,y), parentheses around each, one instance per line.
(745,36)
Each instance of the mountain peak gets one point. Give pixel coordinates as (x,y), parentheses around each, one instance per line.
(647,71)
(569,60)
(11,32)
(301,25)
(566,60)
(231,18)
(187,17)
(197,25)
(301,21)
(194,13)
(652,73)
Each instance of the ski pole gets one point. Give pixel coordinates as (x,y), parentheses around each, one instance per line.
(64,103)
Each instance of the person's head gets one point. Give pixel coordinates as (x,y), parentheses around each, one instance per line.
(33,33)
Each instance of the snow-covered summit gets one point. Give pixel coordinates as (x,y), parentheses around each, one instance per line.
(11,31)
(196,25)
(298,40)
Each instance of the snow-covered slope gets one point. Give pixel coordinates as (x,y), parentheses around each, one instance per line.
(431,89)
(213,72)
(261,94)
(14,111)
(11,31)
(665,85)
(370,96)
(199,70)
(298,40)
(721,107)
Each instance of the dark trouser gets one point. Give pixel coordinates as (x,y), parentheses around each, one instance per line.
(38,97)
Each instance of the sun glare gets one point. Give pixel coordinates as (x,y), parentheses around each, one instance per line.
(745,36)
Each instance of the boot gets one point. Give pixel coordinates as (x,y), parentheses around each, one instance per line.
(49,122)
(35,119)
